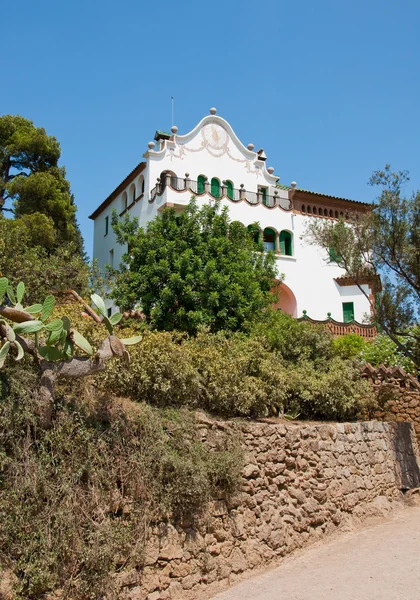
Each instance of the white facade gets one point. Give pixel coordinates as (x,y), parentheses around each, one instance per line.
(168,177)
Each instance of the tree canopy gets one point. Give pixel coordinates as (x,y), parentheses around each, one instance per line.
(386,242)
(193,269)
(31,180)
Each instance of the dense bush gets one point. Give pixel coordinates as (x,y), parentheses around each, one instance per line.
(350,345)
(76,499)
(382,350)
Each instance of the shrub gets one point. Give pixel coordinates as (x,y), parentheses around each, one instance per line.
(350,345)
(116,468)
(382,350)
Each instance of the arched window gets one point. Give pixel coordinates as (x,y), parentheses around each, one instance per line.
(286,243)
(141,184)
(124,201)
(309,210)
(303,208)
(336,214)
(320,211)
(315,210)
(215,187)
(331,213)
(255,232)
(229,189)
(269,239)
(201,184)
(132,193)
(325,212)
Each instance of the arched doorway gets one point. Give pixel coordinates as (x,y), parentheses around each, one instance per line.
(286,300)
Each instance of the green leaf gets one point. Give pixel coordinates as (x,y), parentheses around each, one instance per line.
(63,336)
(11,294)
(68,348)
(108,325)
(131,341)
(99,303)
(34,309)
(82,343)
(47,307)
(66,323)
(20,352)
(55,336)
(4,282)
(3,353)
(54,325)
(28,327)
(115,318)
(20,291)
(10,334)
(50,353)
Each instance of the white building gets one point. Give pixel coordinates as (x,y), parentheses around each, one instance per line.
(210,161)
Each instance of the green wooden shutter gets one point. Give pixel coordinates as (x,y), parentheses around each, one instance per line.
(264,195)
(215,187)
(334,257)
(348,312)
(229,189)
(285,243)
(201,184)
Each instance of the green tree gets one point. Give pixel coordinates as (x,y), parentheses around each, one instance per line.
(385,241)
(31,179)
(193,269)
(45,269)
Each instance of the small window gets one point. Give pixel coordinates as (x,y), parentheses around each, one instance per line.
(269,239)
(124,201)
(264,193)
(215,187)
(348,312)
(331,213)
(106,225)
(325,212)
(255,232)
(314,210)
(334,256)
(286,243)
(320,211)
(132,194)
(309,210)
(336,214)
(111,258)
(303,208)
(201,184)
(229,189)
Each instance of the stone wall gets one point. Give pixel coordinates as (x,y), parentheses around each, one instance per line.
(300,483)
(398,394)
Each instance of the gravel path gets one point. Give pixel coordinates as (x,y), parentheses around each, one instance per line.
(379,562)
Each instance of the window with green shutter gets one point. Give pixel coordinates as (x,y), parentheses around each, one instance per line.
(215,187)
(269,239)
(286,243)
(201,184)
(334,256)
(348,312)
(255,232)
(229,189)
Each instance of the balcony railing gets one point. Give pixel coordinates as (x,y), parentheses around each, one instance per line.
(180,184)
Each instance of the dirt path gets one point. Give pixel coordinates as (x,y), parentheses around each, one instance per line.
(380,562)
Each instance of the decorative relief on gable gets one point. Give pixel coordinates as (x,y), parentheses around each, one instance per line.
(216,140)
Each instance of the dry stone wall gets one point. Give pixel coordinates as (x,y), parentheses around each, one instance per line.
(300,483)
(398,395)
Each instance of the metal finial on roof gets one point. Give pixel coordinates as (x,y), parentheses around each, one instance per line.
(293,184)
(270,170)
(174,129)
(250,146)
(213,111)
(151,145)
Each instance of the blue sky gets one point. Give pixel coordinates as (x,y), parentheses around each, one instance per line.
(330,89)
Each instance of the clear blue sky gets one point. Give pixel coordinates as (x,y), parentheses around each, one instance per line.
(330,89)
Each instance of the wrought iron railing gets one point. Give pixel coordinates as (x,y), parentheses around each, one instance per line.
(180,184)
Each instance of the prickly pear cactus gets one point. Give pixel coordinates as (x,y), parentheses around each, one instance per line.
(55,339)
